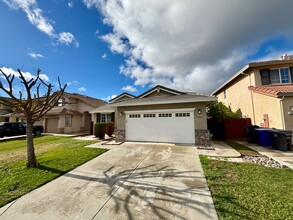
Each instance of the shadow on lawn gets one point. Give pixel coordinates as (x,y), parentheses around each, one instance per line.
(134,190)
(53,170)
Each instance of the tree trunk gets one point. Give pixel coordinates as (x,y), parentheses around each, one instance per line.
(31,157)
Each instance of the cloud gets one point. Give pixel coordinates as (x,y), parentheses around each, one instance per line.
(27,75)
(67,39)
(44,77)
(35,55)
(190,45)
(129,88)
(70,4)
(74,83)
(81,89)
(104,56)
(109,98)
(97,32)
(42,23)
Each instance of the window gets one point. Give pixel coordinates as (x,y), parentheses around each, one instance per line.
(149,115)
(61,102)
(134,116)
(275,76)
(225,94)
(105,118)
(165,115)
(68,120)
(265,77)
(285,75)
(182,115)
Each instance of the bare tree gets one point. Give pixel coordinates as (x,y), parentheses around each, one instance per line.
(31,103)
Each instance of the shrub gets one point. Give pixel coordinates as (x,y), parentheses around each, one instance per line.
(219,110)
(110,128)
(100,130)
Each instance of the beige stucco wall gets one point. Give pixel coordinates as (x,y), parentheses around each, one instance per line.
(267,105)
(75,124)
(199,121)
(239,97)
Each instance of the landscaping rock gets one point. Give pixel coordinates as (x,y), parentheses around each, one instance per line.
(265,161)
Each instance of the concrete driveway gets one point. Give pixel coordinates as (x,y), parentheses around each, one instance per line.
(131,181)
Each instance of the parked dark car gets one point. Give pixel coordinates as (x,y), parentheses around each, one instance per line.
(17,128)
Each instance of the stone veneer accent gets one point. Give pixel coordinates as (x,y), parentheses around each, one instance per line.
(120,135)
(202,137)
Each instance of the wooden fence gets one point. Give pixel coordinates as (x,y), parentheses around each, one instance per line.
(223,129)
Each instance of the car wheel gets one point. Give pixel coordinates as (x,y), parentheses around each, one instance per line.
(37,133)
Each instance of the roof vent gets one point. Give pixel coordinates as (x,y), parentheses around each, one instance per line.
(287,57)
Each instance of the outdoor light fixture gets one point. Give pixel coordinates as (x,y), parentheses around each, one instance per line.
(199,111)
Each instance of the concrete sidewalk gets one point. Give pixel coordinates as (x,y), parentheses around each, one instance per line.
(220,150)
(131,181)
(283,157)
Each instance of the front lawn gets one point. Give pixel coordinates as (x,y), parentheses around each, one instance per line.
(249,191)
(55,155)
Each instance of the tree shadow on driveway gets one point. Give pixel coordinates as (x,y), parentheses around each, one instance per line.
(152,191)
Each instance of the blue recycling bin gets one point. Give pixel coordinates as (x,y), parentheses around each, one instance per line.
(265,137)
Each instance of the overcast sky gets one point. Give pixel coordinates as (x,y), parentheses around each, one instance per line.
(189,45)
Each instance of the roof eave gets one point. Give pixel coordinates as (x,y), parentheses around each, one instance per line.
(153,102)
(281,94)
(240,72)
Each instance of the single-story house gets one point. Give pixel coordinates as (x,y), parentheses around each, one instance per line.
(106,113)
(162,114)
(262,91)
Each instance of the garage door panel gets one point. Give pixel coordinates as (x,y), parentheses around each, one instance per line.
(161,129)
(52,125)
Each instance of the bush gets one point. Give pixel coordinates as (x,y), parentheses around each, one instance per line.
(219,110)
(100,130)
(110,128)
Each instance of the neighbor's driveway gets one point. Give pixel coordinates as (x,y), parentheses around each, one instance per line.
(131,181)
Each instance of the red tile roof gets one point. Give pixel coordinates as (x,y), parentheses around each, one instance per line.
(274,90)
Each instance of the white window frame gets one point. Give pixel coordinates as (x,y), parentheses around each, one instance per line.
(68,123)
(61,102)
(280,76)
(289,75)
(104,117)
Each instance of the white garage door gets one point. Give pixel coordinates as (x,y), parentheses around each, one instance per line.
(175,126)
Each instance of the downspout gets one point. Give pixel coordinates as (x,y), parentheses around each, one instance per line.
(251,97)
(252,102)
(282,112)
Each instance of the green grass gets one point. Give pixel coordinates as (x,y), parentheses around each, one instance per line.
(55,155)
(243,150)
(249,191)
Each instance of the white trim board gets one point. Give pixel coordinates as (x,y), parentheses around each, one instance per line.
(187,100)
(161,110)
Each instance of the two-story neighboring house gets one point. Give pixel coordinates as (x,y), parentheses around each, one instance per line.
(6,112)
(262,91)
(71,115)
